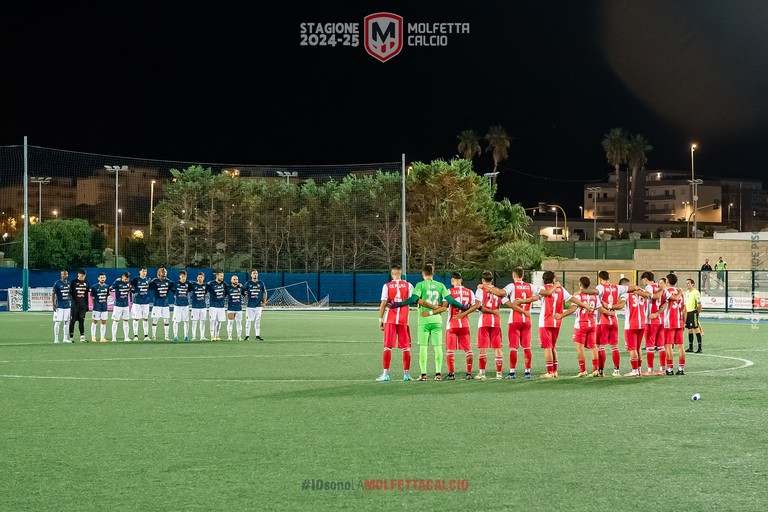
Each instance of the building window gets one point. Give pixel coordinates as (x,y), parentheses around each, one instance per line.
(589,196)
(557,231)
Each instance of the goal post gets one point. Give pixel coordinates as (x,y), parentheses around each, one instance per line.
(297,296)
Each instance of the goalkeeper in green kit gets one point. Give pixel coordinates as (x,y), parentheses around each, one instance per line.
(429,294)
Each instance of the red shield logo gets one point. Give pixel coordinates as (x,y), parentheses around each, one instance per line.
(383,35)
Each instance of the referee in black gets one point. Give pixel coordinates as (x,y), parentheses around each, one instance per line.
(78,291)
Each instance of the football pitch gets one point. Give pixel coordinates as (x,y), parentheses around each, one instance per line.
(236,426)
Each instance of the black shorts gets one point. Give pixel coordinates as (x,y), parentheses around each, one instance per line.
(692,320)
(78,312)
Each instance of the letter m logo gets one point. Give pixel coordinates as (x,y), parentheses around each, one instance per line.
(383,35)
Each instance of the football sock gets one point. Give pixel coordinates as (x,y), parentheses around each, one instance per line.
(483,360)
(527,356)
(126,331)
(649,357)
(595,365)
(93,330)
(103,331)
(175,329)
(450,360)
(247,327)
(135,327)
(154,330)
(582,365)
(662,358)
(698,339)
(386,359)
(468,358)
(145,324)
(616,356)
(229,328)
(548,364)
(512,360)
(423,355)
(601,357)
(439,358)
(194,327)
(406,359)
(554,365)
(690,340)
(499,363)
(56,331)
(114,330)
(166,328)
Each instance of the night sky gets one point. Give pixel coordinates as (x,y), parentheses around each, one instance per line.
(223,84)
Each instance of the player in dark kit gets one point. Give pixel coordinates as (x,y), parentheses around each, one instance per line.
(78,291)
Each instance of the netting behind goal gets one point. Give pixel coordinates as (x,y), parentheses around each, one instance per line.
(291,297)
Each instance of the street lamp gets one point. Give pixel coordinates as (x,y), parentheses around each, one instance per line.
(116,169)
(120,211)
(581,212)
(694,190)
(555,210)
(55,214)
(151,204)
(40,180)
(730,205)
(594,191)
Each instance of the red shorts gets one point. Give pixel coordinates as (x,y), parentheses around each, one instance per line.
(607,334)
(585,337)
(548,336)
(654,335)
(398,332)
(489,337)
(633,337)
(519,334)
(673,336)
(460,337)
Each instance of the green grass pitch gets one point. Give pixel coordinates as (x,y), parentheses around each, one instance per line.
(236,426)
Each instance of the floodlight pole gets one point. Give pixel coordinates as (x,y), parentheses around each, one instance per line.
(117,169)
(25,271)
(594,191)
(40,180)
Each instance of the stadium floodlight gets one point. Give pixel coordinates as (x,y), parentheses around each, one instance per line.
(40,180)
(491,178)
(287,175)
(116,169)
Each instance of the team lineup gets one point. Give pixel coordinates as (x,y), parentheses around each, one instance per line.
(194,302)
(658,312)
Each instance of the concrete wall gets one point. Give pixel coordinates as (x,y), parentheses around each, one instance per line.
(676,254)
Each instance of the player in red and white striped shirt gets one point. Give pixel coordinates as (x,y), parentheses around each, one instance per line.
(654,334)
(394,322)
(673,324)
(457,329)
(489,324)
(585,326)
(608,326)
(554,296)
(519,296)
(635,319)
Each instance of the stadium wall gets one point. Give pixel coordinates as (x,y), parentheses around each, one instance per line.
(354,288)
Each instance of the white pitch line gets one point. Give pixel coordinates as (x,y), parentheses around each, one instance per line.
(747,364)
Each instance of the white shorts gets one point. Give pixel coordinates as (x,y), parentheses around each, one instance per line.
(140,311)
(218,314)
(163,312)
(100,315)
(61,315)
(252,314)
(180,313)
(120,313)
(238,315)
(198,313)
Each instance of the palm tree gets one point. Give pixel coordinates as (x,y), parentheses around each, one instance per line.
(469,144)
(615,146)
(498,144)
(637,149)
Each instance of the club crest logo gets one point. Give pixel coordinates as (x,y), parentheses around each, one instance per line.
(383,35)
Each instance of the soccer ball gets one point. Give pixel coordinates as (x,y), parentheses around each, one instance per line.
(695,397)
